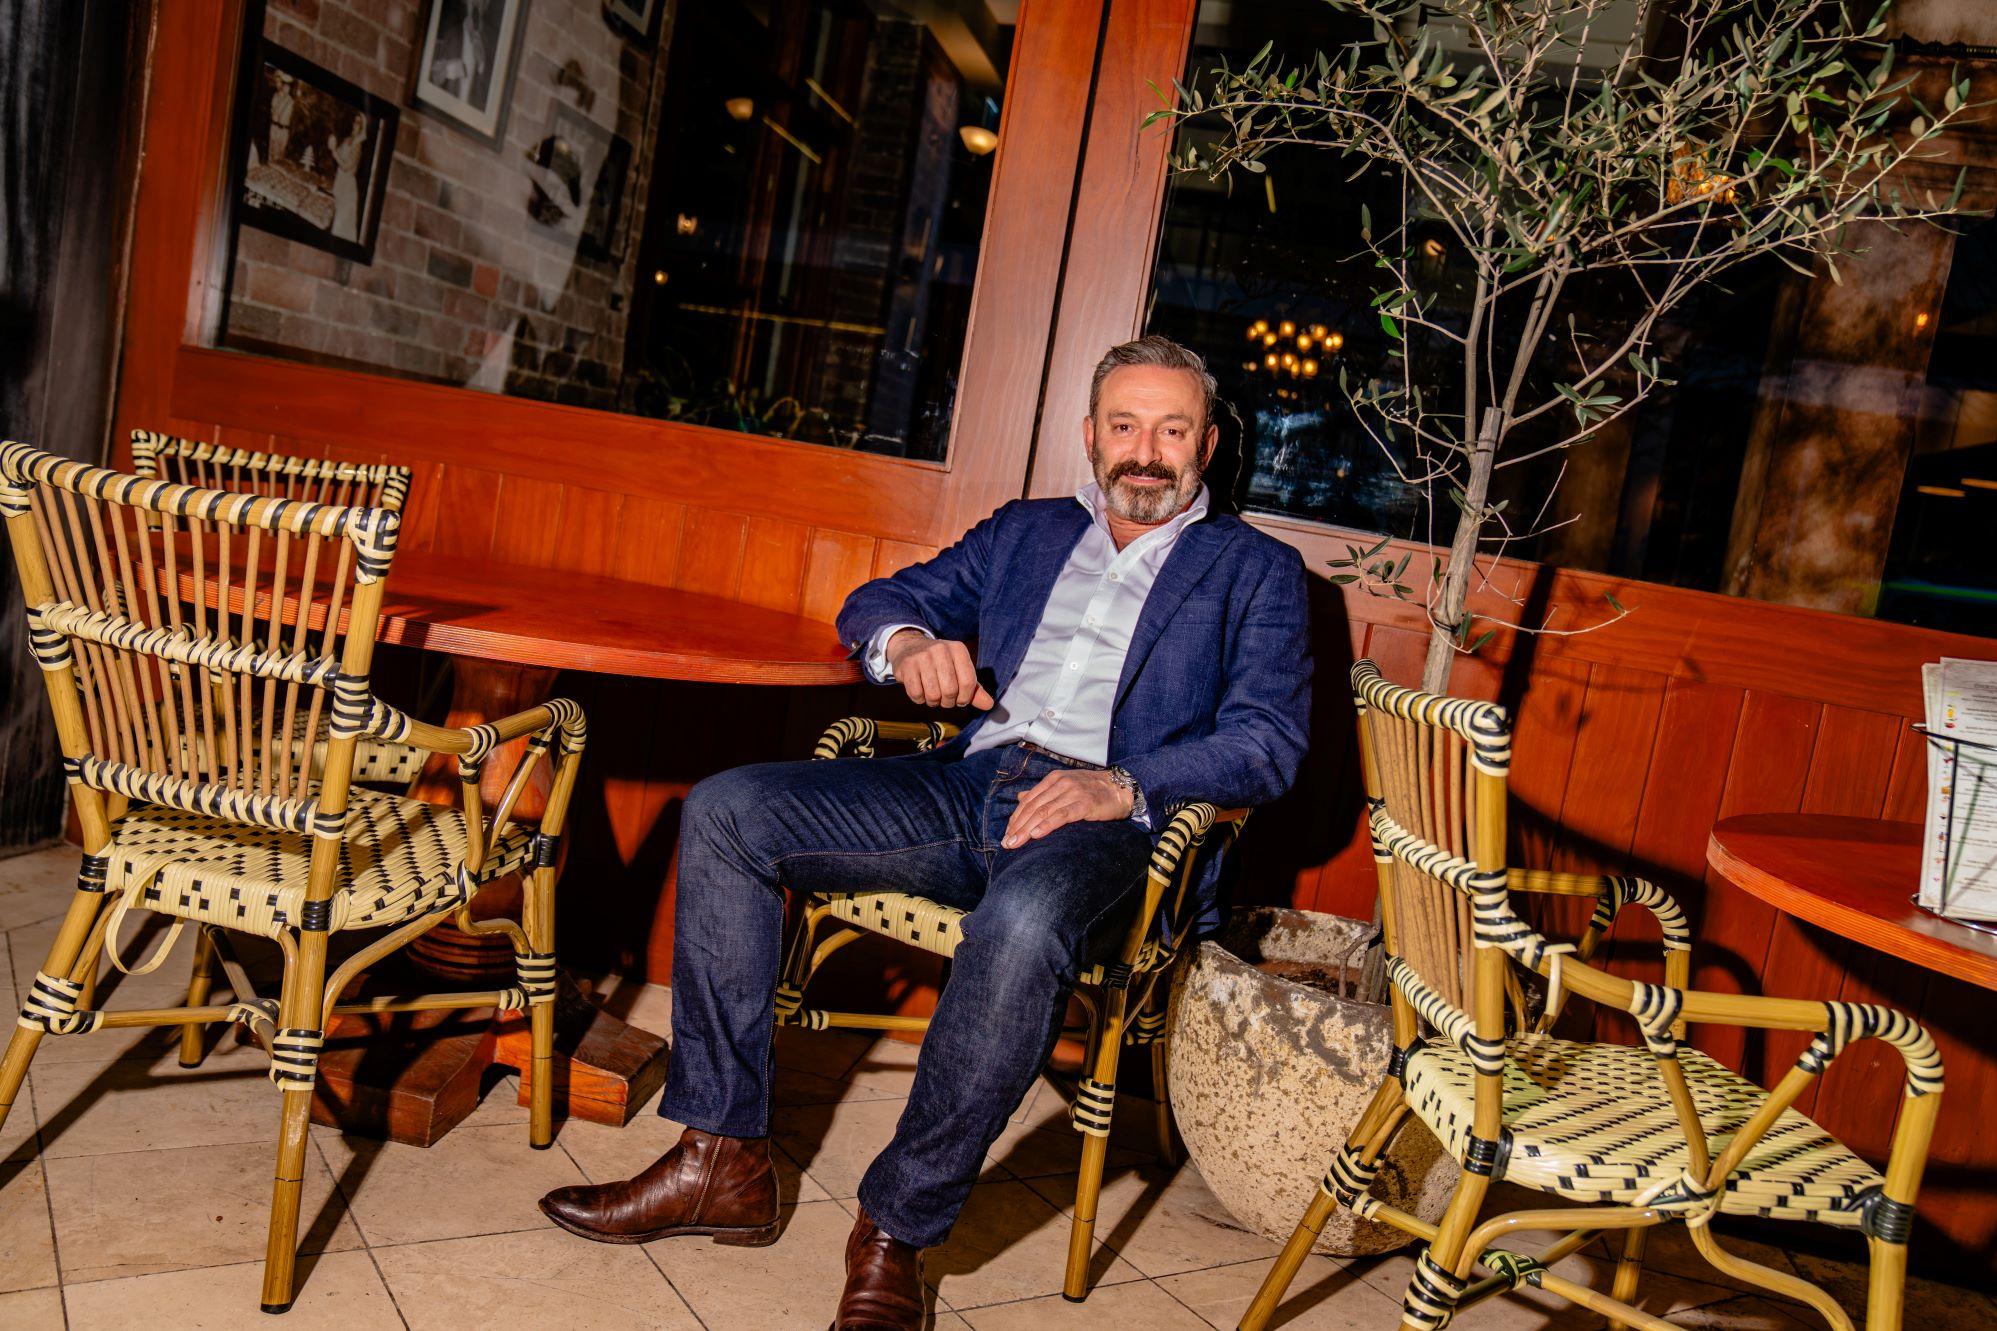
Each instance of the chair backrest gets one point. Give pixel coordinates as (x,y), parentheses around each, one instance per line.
(185,633)
(164,457)
(1434,772)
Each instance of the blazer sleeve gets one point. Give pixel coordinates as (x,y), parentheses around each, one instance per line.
(942,594)
(1263,724)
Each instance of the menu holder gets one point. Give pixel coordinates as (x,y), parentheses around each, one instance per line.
(1959,849)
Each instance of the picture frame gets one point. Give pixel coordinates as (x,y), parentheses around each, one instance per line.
(467,55)
(310,152)
(577,177)
(635,20)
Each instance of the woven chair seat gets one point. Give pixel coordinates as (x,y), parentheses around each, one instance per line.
(930,925)
(1593,1123)
(400,858)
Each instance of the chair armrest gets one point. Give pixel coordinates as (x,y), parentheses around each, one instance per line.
(476,742)
(1170,870)
(855,736)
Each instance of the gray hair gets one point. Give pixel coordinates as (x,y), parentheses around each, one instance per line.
(1163,352)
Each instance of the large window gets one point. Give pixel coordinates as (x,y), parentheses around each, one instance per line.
(761,215)
(1265,274)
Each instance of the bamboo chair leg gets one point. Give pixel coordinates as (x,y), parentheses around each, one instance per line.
(1447,1249)
(302,1007)
(1105,1044)
(1886,1286)
(1170,1149)
(541,1016)
(1304,1237)
(1628,1271)
(63,957)
(194,1038)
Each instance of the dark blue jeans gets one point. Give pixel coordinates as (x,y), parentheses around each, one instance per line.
(920,824)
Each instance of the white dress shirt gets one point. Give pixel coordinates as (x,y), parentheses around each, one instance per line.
(1063,693)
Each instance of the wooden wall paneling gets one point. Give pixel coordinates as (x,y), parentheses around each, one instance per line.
(836,563)
(586,529)
(1544,725)
(894,556)
(466,506)
(1111,250)
(1348,884)
(648,541)
(1019,268)
(1612,746)
(1767,773)
(1849,770)
(419,512)
(1685,771)
(773,556)
(524,520)
(711,551)
(1907,788)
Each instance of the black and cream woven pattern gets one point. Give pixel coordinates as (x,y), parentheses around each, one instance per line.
(1593,1123)
(399,858)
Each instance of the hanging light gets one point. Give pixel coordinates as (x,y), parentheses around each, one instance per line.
(1288,329)
(1335,341)
(1310,368)
(978,139)
(1271,360)
(740,108)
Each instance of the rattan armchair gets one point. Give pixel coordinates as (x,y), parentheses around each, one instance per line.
(1637,1137)
(182,634)
(1125,998)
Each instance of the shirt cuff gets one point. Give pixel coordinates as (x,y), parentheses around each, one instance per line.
(876,659)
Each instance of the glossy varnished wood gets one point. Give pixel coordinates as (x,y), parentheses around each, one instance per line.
(1854,877)
(575,621)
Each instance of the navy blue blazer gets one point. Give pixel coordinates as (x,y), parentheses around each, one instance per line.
(1214,700)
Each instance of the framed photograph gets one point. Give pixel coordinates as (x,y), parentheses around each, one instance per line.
(465,65)
(576,178)
(311,154)
(637,20)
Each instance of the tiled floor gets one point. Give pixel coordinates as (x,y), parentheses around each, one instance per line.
(134,1192)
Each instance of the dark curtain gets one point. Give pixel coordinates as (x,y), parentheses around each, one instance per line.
(68,81)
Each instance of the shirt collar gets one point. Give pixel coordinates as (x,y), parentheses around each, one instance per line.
(1090,497)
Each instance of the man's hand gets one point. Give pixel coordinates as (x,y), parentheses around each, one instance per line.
(936,673)
(1061,798)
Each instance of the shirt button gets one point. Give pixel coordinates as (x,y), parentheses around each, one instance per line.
(1092,621)
(1048,714)
(1074,665)
(1116,577)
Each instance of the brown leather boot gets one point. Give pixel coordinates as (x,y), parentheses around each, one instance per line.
(724,1187)
(883,1282)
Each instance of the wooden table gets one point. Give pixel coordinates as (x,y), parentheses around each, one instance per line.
(510,630)
(1855,877)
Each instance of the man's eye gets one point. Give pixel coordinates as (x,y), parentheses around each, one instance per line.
(1123,429)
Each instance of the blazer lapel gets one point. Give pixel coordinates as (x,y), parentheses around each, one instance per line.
(1199,545)
(1031,581)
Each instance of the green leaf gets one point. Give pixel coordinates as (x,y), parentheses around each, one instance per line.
(1343,579)
(1614,604)
(1482,638)
(1387,323)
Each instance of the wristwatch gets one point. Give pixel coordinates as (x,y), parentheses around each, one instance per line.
(1138,808)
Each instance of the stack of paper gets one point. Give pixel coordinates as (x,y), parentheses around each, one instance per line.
(1959,860)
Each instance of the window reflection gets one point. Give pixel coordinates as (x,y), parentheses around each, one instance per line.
(762,216)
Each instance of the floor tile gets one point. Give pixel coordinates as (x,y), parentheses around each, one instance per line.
(1011,1244)
(542,1279)
(605,1153)
(37,885)
(1927,1303)
(340,1291)
(27,1245)
(139,1212)
(87,1109)
(17,1134)
(36,1308)
(1323,1297)
(1039,1140)
(474,1181)
(1162,1220)
(887,1068)
(1140,1304)
(835,1143)
(793,1283)
(823,1053)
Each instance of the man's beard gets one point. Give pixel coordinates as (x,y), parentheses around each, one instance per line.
(1146,504)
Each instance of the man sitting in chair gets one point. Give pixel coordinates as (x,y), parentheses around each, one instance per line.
(1144,653)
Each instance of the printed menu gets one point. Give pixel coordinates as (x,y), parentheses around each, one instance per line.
(1959,855)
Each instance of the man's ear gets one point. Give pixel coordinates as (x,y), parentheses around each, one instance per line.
(1088,436)
(1208,445)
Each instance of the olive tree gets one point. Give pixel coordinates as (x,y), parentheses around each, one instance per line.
(1559,151)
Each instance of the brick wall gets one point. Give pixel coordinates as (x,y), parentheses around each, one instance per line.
(463,289)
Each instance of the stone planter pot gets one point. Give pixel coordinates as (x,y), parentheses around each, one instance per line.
(1268,1076)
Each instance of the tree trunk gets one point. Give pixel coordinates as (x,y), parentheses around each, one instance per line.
(1446,615)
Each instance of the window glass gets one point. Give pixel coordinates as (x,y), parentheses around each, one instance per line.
(1752,474)
(761,215)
